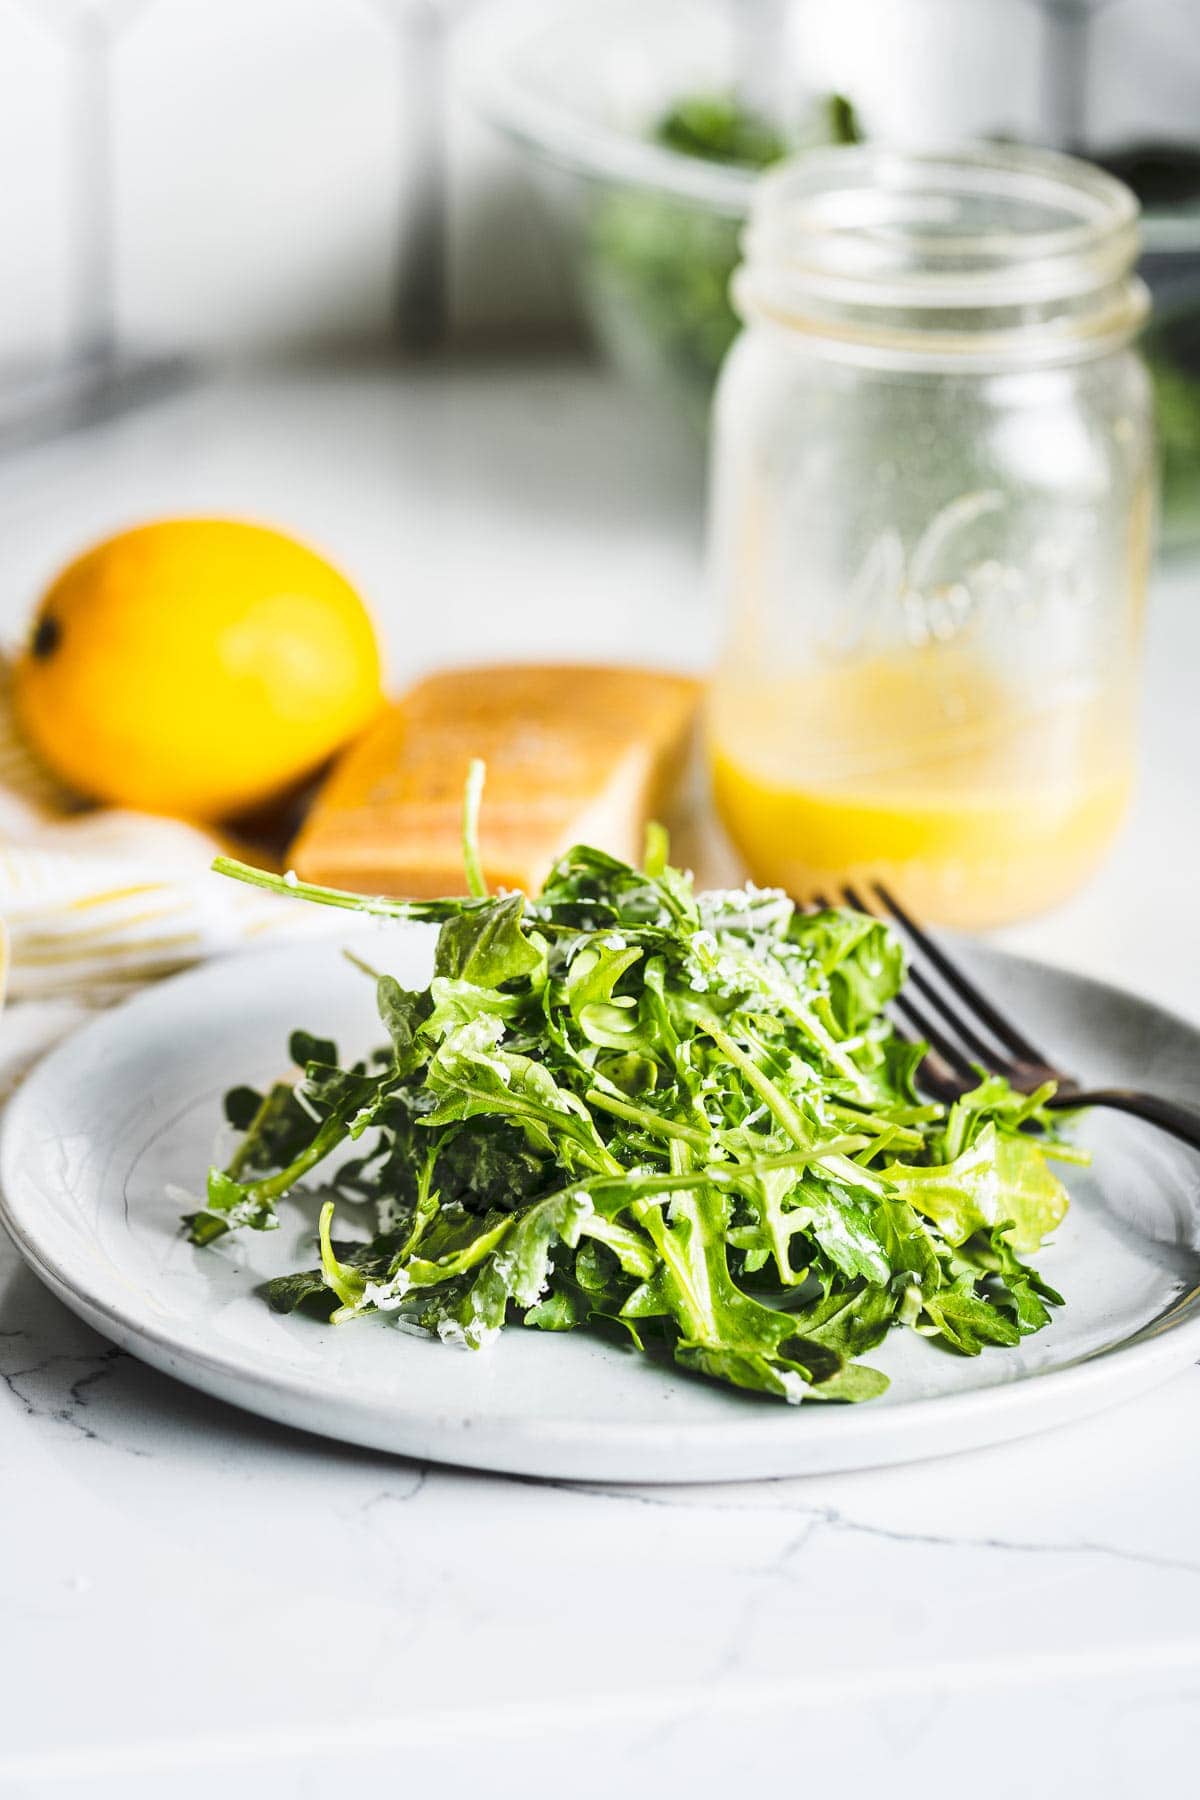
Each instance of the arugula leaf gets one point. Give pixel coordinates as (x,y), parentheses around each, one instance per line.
(490,1168)
(403,1013)
(863,962)
(304,1048)
(516,1270)
(487,947)
(723,1330)
(302,1292)
(960,1197)
(996,1178)
(844,1223)
(968,1322)
(275,1128)
(471,1076)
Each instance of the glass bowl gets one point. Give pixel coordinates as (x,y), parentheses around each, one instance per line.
(626,109)
(617,105)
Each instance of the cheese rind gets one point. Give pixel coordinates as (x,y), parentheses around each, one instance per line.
(574,754)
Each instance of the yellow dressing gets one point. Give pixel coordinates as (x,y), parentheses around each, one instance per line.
(977,801)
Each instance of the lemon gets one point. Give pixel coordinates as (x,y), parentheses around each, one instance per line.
(195,666)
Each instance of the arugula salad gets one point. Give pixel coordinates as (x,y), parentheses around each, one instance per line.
(681,1118)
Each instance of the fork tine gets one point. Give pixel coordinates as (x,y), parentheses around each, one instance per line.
(963,1027)
(952,1055)
(1013,1041)
(947,1068)
(958,1021)
(935,1075)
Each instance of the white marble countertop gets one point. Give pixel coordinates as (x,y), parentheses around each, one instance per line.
(192,1600)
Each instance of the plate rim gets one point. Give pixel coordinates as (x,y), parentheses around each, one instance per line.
(1025,1404)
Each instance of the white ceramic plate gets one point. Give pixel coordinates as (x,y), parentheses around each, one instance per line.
(129,1108)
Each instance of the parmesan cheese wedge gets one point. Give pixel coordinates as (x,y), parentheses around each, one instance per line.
(575,754)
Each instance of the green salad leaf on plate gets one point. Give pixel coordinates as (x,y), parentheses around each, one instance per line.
(684,1119)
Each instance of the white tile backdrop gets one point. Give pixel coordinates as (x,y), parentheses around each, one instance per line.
(259,151)
(265,153)
(263,159)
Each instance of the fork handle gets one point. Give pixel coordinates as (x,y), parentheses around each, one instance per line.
(1183,1122)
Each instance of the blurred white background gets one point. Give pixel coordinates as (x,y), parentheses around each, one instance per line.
(272,158)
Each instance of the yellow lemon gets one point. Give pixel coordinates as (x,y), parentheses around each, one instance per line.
(197,667)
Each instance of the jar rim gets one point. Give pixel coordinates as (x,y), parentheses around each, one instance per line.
(984,241)
(976,229)
(948,223)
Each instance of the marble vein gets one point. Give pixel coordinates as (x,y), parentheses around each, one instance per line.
(818,1519)
(397,1496)
(66,1404)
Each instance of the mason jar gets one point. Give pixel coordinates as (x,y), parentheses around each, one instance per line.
(932,509)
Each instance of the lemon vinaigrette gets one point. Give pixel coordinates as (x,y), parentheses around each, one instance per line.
(930,528)
(972,801)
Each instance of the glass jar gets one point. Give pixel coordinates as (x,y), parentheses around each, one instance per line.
(932,507)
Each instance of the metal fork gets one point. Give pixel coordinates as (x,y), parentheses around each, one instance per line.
(966,1033)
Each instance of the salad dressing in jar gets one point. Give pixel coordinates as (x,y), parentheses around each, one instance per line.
(931,525)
